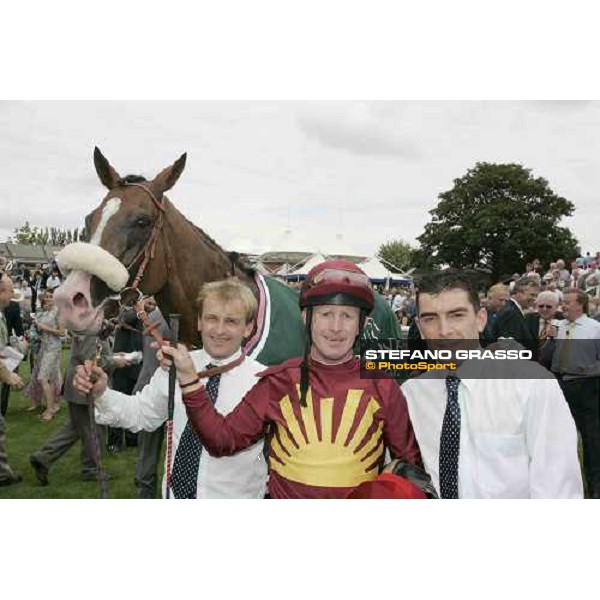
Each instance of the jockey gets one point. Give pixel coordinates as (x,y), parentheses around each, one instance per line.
(328,429)
(332,283)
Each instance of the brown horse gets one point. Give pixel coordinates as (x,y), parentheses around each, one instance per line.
(165,255)
(138,238)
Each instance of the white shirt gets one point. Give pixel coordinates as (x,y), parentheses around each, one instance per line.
(398,303)
(583,328)
(584,356)
(517,436)
(52,283)
(243,475)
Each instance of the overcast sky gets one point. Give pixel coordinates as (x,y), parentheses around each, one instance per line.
(366,171)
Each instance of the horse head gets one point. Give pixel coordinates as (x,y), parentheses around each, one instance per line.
(124,234)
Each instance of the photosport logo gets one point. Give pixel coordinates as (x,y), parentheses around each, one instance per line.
(393,358)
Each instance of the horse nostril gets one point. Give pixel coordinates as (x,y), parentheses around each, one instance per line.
(79,300)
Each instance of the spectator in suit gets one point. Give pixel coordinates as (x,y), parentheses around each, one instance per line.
(77,427)
(497,297)
(544,319)
(149,442)
(511,321)
(128,338)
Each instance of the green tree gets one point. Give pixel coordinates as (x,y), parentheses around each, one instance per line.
(25,235)
(34,236)
(397,254)
(497,218)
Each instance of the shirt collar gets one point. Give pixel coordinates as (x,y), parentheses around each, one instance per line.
(206,358)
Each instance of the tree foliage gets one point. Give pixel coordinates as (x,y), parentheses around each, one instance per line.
(497,218)
(397,254)
(37,236)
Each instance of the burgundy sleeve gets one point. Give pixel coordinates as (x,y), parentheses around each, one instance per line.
(398,430)
(224,435)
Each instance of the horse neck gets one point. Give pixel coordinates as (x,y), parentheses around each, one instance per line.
(189,248)
(192,259)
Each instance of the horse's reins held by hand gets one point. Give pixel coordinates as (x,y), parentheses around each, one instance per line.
(174,334)
(101,477)
(222,368)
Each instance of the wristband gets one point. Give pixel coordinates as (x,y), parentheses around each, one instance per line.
(189,384)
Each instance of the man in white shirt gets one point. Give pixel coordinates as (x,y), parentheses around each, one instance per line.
(53,281)
(227,309)
(499,431)
(575,359)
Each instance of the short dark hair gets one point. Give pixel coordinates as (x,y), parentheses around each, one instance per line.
(580,296)
(525,282)
(451,279)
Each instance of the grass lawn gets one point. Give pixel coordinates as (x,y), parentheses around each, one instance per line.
(25,434)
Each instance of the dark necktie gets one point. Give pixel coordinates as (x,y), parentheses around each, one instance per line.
(184,478)
(543,333)
(450,441)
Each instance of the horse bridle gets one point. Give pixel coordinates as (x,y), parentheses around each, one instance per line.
(148,248)
(136,296)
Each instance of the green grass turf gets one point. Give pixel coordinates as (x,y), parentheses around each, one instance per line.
(25,434)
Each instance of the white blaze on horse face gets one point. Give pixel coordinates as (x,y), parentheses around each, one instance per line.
(110,209)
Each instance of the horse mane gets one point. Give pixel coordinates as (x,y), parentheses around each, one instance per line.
(234,257)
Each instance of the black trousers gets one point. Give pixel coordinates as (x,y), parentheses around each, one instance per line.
(116,435)
(77,428)
(146,467)
(4,395)
(583,398)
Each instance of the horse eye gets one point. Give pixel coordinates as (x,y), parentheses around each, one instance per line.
(143,222)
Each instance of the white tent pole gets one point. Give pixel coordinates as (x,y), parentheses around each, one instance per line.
(387,262)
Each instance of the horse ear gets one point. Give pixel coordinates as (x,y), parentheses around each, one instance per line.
(168,177)
(108,176)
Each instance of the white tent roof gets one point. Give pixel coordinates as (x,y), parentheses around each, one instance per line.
(375,269)
(246,246)
(291,242)
(313,261)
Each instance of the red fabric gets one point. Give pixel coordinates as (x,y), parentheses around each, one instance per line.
(369,418)
(387,486)
(317,286)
